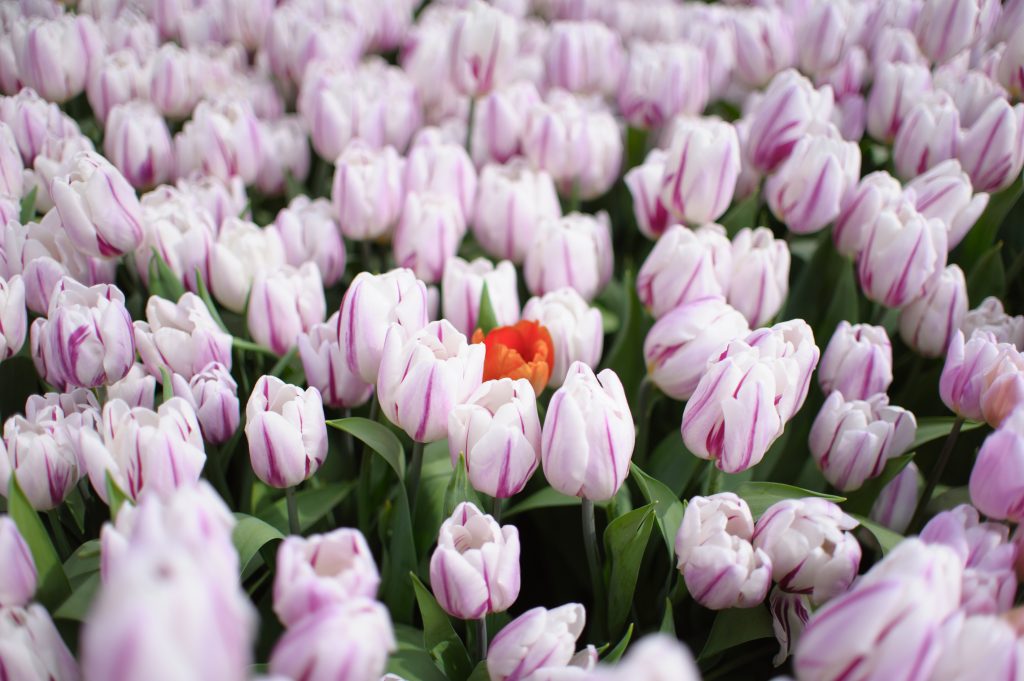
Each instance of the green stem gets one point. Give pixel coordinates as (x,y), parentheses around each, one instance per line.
(242,344)
(594,566)
(714,479)
(481,638)
(936,474)
(366,255)
(60,539)
(412,478)
(496,506)
(214,470)
(293,512)
(284,362)
(469,126)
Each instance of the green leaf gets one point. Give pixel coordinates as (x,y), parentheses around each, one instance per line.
(861,500)
(668,509)
(166,385)
(616,653)
(668,622)
(28,207)
(77,605)
(458,489)
(163,281)
(204,295)
(250,535)
(887,539)
(625,357)
(988,276)
(486,319)
(742,214)
(83,563)
(116,497)
(400,558)
(760,495)
(625,539)
(547,497)
(410,663)
(845,303)
(313,505)
(735,627)
(673,464)
(378,438)
(811,294)
(439,636)
(982,235)
(932,428)
(53,587)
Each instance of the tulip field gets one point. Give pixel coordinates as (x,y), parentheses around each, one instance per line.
(511,340)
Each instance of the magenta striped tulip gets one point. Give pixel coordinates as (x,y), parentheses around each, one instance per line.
(286,431)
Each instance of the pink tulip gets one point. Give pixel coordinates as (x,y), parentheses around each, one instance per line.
(512,202)
(323,360)
(286,431)
(928,323)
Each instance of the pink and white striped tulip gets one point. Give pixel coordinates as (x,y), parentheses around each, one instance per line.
(181,337)
(222,139)
(368,190)
(13,316)
(701,169)
(213,394)
(895,91)
(765,44)
(54,56)
(241,252)
(18,576)
(286,431)
(462,287)
(285,154)
(928,323)
(945,192)
(429,234)
(585,57)
(894,507)
(576,329)
(759,282)
(791,107)
(929,135)
(323,360)
(876,192)
(512,202)
(992,152)
(644,182)
(32,647)
(498,121)
(995,483)
(990,317)
(857,361)
(138,143)
(540,644)
(119,77)
(663,80)
(437,166)
(11,165)
(484,43)
(39,454)
(574,251)
(309,232)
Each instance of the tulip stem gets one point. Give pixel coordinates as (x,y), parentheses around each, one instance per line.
(59,538)
(469,126)
(713,483)
(481,638)
(933,479)
(284,362)
(496,504)
(249,346)
(293,512)
(593,564)
(413,476)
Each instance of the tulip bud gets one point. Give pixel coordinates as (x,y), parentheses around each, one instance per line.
(372,304)
(54,56)
(811,549)
(653,658)
(18,574)
(181,337)
(790,613)
(323,361)
(32,647)
(998,470)
(497,431)
(241,252)
(222,139)
(285,303)
(222,199)
(539,644)
(13,316)
(575,327)
(137,388)
(11,165)
(512,201)
(584,57)
(979,642)
(894,507)
(722,569)
(928,323)
(807,190)
(424,375)
(661,81)
(680,344)
(790,108)
(990,317)
(573,464)
(285,154)
(213,395)
(644,184)
(759,282)
(181,232)
(701,170)
(463,285)
(1010,70)
(474,571)
(945,27)
(857,362)
(574,251)
(321,571)
(368,190)
(139,144)
(897,88)
(429,234)
(309,232)
(286,431)
(992,152)
(119,77)
(498,121)
(876,192)
(945,192)
(484,43)
(765,44)
(971,373)
(33,121)
(929,135)
(40,455)
(438,166)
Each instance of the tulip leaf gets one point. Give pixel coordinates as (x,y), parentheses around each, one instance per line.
(377,437)
(737,626)
(760,495)
(414,663)
(313,505)
(625,540)
(28,206)
(845,303)
(77,605)
(399,559)
(163,282)
(250,535)
(116,496)
(83,563)
(204,295)
(932,428)
(742,214)
(625,357)
(480,673)
(982,235)
(439,636)
(53,587)
(668,509)
(988,276)
(486,319)
(887,539)
(616,653)
(458,489)
(668,621)
(547,497)
(672,464)
(861,500)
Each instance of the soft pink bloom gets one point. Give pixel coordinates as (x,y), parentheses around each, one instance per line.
(576,329)
(701,169)
(512,201)
(309,232)
(575,251)
(213,395)
(759,282)
(661,81)
(180,337)
(368,190)
(323,359)
(585,57)
(286,431)
(928,323)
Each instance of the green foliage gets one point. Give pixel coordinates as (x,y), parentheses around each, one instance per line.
(378,438)
(625,540)
(439,637)
(760,495)
(162,280)
(486,319)
(53,587)
(668,509)
(737,626)
(548,497)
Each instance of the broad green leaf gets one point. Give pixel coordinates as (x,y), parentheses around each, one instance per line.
(625,539)
(932,428)
(887,539)
(486,319)
(410,663)
(544,498)
(163,281)
(77,605)
(616,653)
(250,535)
(400,558)
(458,489)
(812,292)
(949,498)
(480,673)
(53,587)
(116,496)
(735,627)
(845,303)
(28,207)
(673,464)
(83,563)
(439,636)
(983,234)
(861,500)
(668,509)
(313,505)
(988,276)
(742,214)
(378,438)
(625,357)
(760,495)
(668,621)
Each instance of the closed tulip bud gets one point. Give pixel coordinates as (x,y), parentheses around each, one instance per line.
(181,232)
(181,337)
(644,183)
(876,192)
(979,641)
(928,323)
(811,549)
(971,370)
(577,141)
(512,201)
(222,139)
(484,43)
(285,154)
(441,167)
(309,232)
(11,165)
(222,199)
(540,644)
(368,190)
(759,282)
(13,316)
(40,455)
(463,285)
(894,507)
(54,56)
(497,431)
(807,190)
(323,359)
(701,170)
(823,37)
(765,44)
(661,81)
(992,152)
(119,77)
(321,571)
(790,108)
(286,431)
(18,575)
(575,327)
(574,251)
(429,234)
(929,135)
(897,88)
(995,483)
(945,192)
(990,317)
(177,81)
(242,251)
(139,144)
(945,27)
(857,362)
(144,450)
(32,648)
(137,388)
(680,344)
(574,464)
(851,440)
(98,207)
(721,567)
(790,613)
(33,121)
(348,641)
(213,395)
(1010,70)
(498,121)
(424,375)
(585,57)
(372,304)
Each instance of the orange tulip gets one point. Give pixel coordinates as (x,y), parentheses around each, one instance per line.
(523,350)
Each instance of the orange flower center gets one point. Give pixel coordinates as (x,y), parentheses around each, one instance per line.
(523,350)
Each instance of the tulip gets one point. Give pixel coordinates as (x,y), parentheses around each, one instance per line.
(790,108)
(585,57)
(876,192)
(574,251)
(685,266)
(121,76)
(539,644)
(807,190)
(945,192)
(662,81)
(474,571)
(898,87)
(857,362)
(31,648)
(653,658)
(321,571)
(441,167)
(143,450)
(852,440)
(137,388)
(928,135)
(928,323)
(523,350)
(992,152)
(285,303)
(1010,71)
(18,576)
(979,642)
(285,154)
(790,613)
(138,143)
(722,569)
(323,361)
(946,27)
(368,190)
(40,455)
(213,395)
(222,199)
(180,337)
(498,121)
(241,252)
(701,169)
(970,370)
(759,281)
(181,232)
(462,287)
(894,507)
(222,139)
(286,431)
(349,640)
(54,159)
(11,165)
(573,464)
(680,344)
(372,304)
(33,120)
(484,42)
(296,38)
(54,56)
(429,234)
(13,316)
(765,44)
(309,232)
(990,317)
(644,183)
(177,82)
(424,375)
(512,201)
(995,478)
(575,328)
